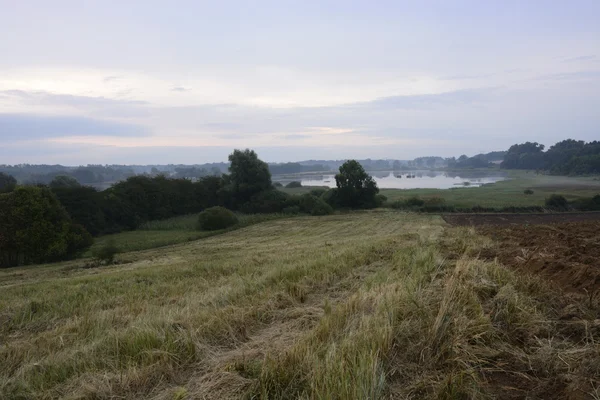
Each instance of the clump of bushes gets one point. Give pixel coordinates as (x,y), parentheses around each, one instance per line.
(380,200)
(587,203)
(106,253)
(528,191)
(414,202)
(318,192)
(557,201)
(269,201)
(313,205)
(277,185)
(293,184)
(216,218)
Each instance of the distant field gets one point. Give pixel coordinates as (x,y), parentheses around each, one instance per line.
(375,305)
(507,193)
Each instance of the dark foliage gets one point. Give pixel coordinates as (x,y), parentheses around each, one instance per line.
(293,184)
(216,218)
(557,202)
(568,157)
(355,188)
(269,201)
(7,183)
(313,205)
(248,176)
(318,192)
(528,191)
(106,253)
(35,228)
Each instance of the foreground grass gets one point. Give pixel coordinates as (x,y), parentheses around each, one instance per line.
(366,305)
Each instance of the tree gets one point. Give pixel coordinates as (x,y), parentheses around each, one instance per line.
(7,183)
(35,228)
(355,188)
(248,176)
(64,181)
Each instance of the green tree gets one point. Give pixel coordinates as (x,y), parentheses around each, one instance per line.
(35,228)
(248,176)
(355,188)
(64,181)
(7,183)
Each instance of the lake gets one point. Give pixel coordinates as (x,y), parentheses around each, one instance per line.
(400,180)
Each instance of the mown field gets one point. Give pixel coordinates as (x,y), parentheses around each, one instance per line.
(367,305)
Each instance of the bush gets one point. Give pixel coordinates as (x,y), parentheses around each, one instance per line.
(557,201)
(106,254)
(434,201)
(216,218)
(269,201)
(380,200)
(528,191)
(330,197)
(414,202)
(318,192)
(587,203)
(292,210)
(293,184)
(314,206)
(277,185)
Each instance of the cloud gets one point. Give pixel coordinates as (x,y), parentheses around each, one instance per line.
(112,78)
(21,127)
(580,58)
(565,76)
(47,98)
(427,101)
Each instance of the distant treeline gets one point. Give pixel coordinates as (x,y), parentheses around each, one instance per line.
(52,222)
(569,157)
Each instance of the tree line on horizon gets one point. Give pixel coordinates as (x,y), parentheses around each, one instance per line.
(44,223)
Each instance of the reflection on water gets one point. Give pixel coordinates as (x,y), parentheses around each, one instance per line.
(411,180)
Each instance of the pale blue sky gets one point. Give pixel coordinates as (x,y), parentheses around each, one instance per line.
(187,81)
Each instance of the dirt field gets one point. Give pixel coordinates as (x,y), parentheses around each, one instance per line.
(519,219)
(568,254)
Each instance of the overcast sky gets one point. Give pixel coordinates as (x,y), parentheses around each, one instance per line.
(187,81)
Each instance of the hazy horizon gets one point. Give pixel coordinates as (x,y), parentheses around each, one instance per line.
(157,83)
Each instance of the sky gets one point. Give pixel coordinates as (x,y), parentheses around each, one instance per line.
(185,82)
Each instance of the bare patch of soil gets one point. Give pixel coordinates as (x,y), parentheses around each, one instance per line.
(519,219)
(568,254)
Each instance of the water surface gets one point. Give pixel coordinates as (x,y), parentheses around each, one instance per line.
(408,180)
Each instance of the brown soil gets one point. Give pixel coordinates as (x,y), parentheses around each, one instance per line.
(567,254)
(519,219)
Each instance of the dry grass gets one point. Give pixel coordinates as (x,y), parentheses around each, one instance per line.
(364,305)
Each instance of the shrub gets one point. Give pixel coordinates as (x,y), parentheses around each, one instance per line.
(314,206)
(557,201)
(587,203)
(528,191)
(269,201)
(318,192)
(277,185)
(414,202)
(215,218)
(292,210)
(293,184)
(434,201)
(380,200)
(106,253)
(330,197)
